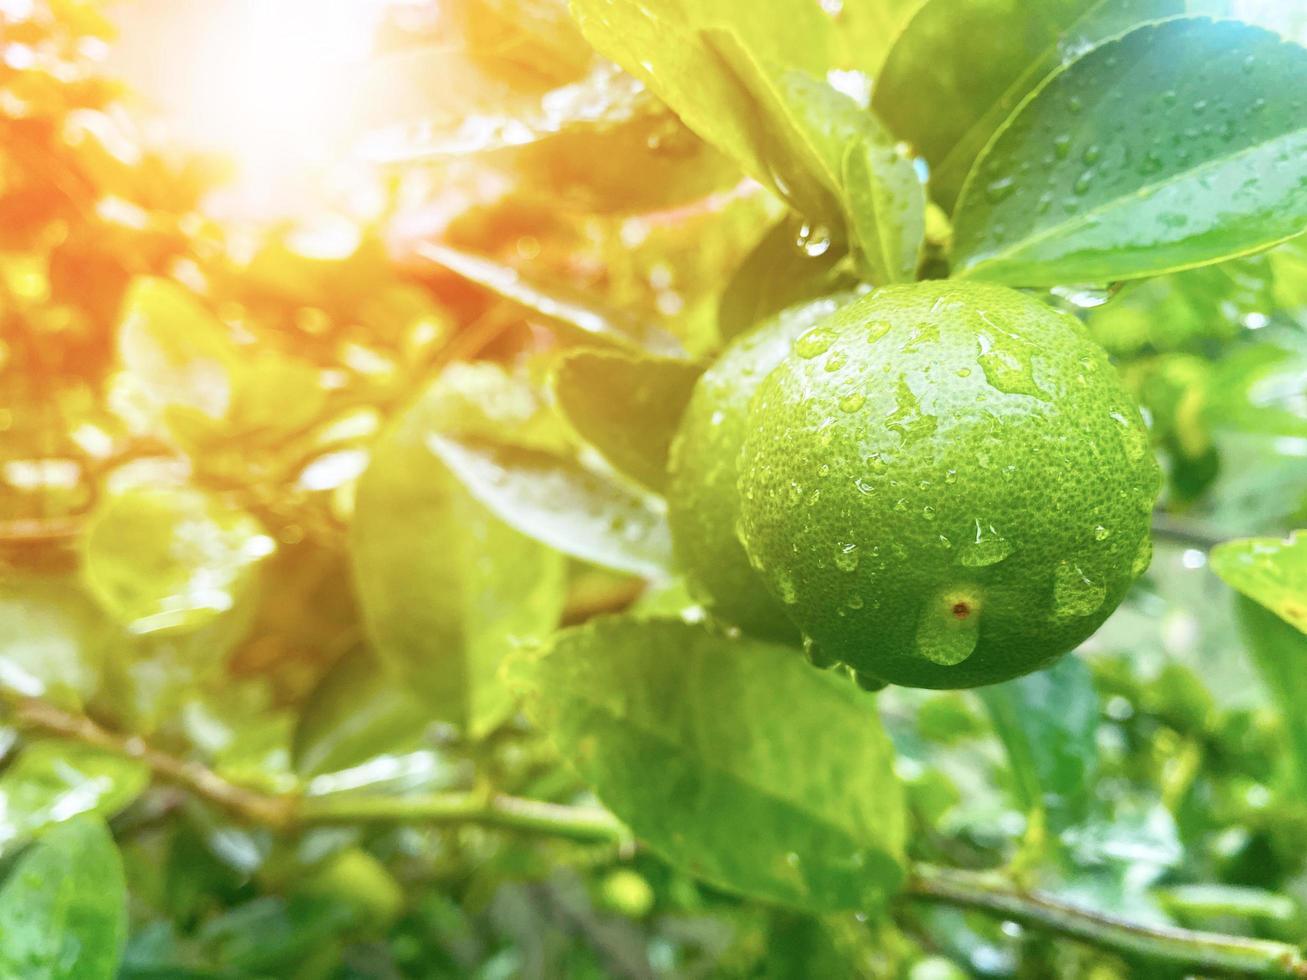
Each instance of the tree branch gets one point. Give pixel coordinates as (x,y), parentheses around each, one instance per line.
(1181,531)
(1204,952)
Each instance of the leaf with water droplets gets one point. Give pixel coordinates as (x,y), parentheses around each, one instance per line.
(685,750)
(63,907)
(1270,571)
(563,504)
(946,93)
(777,274)
(666,46)
(1212,163)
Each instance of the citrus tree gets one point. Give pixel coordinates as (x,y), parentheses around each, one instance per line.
(763,489)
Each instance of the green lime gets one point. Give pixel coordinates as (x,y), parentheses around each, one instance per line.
(946,484)
(702,502)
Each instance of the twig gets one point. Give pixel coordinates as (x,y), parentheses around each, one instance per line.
(1204,952)
(1184,532)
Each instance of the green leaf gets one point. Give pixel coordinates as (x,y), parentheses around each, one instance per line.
(446,588)
(731,758)
(839,168)
(754,83)
(63,908)
(1258,389)
(1048,722)
(1279,652)
(52,780)
(357,711)
(53,639)
(1270,571)
(626,407)
(1179,144)
(171,560)
(554,302)
(779,272)
(946,94)
(567,506)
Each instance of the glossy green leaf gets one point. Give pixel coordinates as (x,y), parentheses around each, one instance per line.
(628,408)
(732,758)
(53,639)
(841,170)
(356,712)
(779,272)
(567,506)
(946,94)
(1178,144)
(63,907)
(1270,571)
(1048,723)
(171,560)
(53,780)
(555,303)
(446,588)
(1279,652)
(755,83)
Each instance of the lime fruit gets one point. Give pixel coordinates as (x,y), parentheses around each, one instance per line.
(946,484)
(702,501)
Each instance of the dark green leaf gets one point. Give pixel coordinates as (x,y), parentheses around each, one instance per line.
(1270,571)
(1178,144)
(63,908)
(556,500)
(53,780)
(732,758)
(555,303)
(777,273)
(946,94)
(626,407)
(1048,722)
(172,560)
(446,588)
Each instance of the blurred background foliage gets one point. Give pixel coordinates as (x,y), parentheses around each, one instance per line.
(222,530)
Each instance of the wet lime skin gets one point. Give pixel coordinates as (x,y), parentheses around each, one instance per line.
(946,484)
(702,501)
